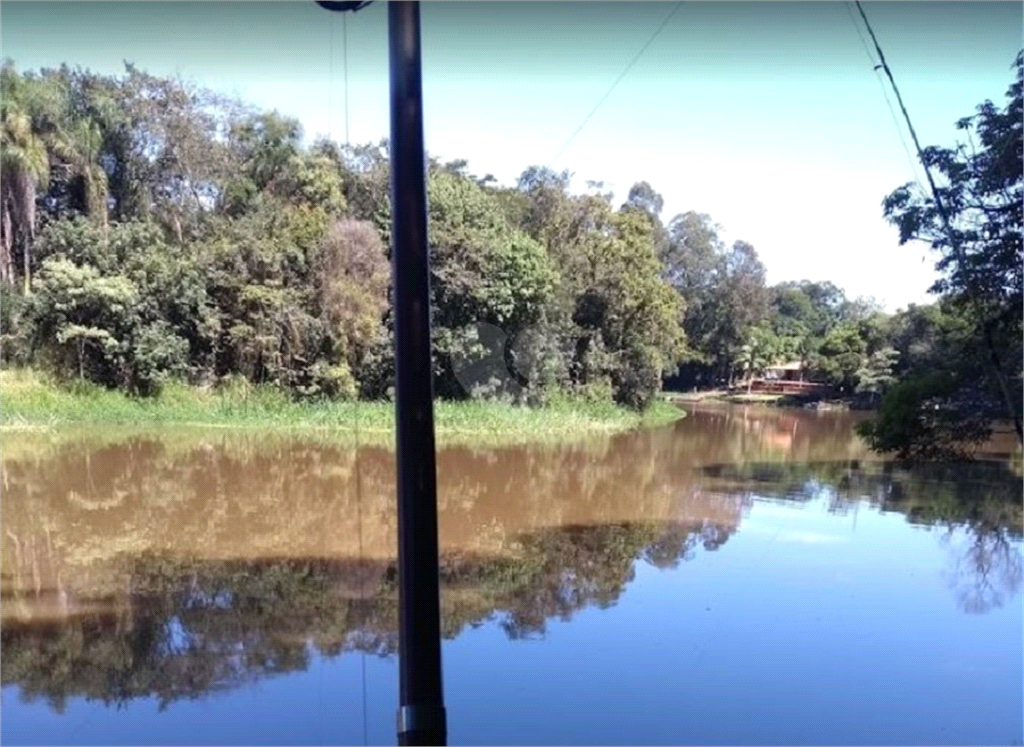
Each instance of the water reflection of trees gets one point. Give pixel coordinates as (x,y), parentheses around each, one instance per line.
(173,567)
(977,507)
(986,572)
(149,568)
(181,629)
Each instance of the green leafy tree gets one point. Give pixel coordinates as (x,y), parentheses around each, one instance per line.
(644,199)
(841,355)
(24,166)
(876,375)
(739,303)
(976,230)
(115,306)
(919,418)
(629,308)
(90,315)
(351,278)
(691,266)
(761,349)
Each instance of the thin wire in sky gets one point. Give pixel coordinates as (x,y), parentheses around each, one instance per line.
(330,77)
(892,112)
(618,80)
(344,46)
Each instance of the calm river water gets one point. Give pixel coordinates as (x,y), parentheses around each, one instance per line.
(743,576)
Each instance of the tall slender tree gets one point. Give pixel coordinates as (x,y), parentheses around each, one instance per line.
(24,166)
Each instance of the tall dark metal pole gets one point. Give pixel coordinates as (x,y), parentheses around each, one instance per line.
(421,715)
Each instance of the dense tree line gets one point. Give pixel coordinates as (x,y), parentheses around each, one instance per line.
(152,230)
(966,354)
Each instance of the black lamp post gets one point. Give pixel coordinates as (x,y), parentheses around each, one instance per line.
(421,715)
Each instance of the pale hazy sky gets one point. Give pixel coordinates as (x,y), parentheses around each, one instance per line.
(768,116)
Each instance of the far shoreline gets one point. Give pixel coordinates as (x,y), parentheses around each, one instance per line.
(786,401)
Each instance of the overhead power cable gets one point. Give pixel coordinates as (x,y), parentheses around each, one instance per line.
(330,80)
(906,116)
(344,54)
(361,564)
(881,84)
(618,80)
(975,291)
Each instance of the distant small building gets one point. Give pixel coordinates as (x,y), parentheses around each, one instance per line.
(785,378)
(792,371)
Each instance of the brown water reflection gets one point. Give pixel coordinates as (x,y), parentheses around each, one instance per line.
(174,564)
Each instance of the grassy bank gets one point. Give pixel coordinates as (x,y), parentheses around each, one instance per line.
(30,401)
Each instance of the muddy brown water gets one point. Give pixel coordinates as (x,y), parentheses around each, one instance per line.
(744,576)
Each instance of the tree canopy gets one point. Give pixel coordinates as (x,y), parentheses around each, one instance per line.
(965,371)
(151,229)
